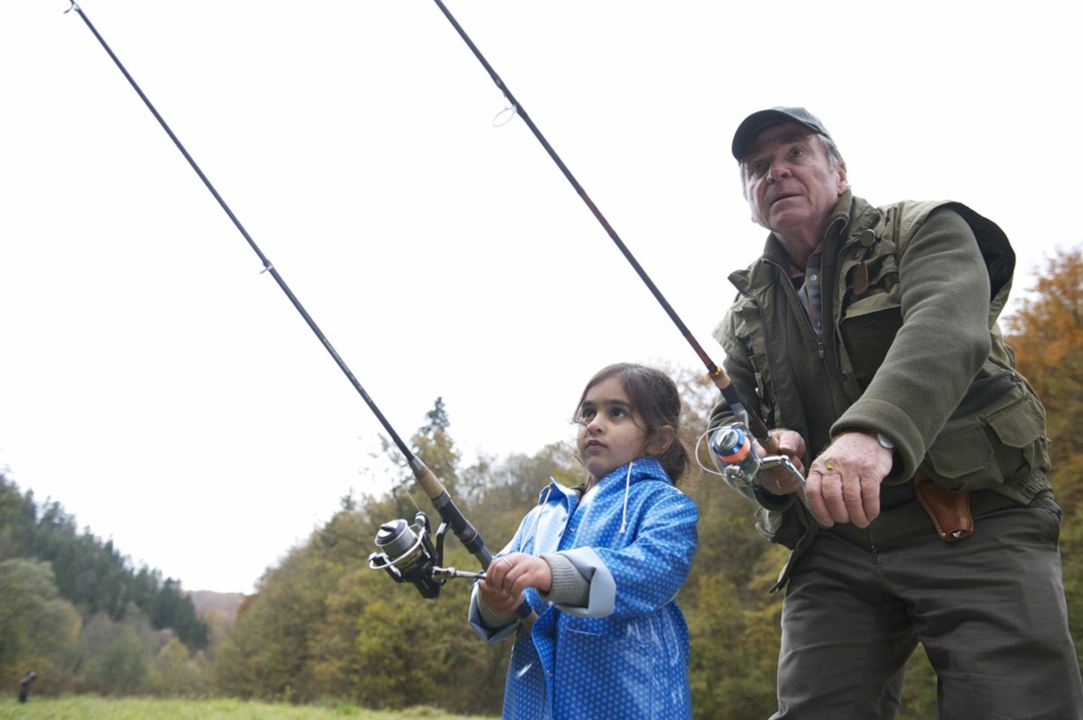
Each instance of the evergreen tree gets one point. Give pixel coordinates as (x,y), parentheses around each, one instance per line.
(436,420)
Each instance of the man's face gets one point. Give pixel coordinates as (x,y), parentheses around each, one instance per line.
(790,182)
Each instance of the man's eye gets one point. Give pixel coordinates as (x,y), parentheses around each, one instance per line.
(797,152)
(758,168)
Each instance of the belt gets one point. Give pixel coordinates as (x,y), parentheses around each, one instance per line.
(908,521)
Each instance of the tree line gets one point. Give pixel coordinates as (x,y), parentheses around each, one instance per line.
(74,609)
(323,626)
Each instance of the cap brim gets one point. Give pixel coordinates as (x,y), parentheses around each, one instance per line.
(757,122)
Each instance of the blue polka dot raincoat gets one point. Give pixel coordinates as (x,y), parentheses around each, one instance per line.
(625,655)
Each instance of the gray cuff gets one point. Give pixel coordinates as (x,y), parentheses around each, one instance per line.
(603,588)
(570,587)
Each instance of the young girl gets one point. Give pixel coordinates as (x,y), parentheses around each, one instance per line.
(600,566)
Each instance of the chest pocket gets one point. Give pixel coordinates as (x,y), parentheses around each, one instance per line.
(870,304)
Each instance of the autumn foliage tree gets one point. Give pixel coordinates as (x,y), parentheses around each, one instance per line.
(1047,334)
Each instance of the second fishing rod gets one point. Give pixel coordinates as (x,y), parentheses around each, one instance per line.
(717,374)
(407,553)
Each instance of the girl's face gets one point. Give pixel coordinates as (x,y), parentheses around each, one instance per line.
(611,433)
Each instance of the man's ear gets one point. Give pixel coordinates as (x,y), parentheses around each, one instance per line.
(844,183)
(660,442)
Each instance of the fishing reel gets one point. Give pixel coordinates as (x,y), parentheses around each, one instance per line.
(741,466)
(408,554)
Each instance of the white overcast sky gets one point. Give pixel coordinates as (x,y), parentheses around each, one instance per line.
(162,389)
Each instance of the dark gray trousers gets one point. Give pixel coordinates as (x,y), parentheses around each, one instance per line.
(990,611)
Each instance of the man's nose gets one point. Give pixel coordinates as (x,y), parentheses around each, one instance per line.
(778,170)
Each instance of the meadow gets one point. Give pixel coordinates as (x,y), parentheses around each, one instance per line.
(87,707)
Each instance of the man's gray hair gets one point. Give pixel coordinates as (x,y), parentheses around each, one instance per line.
(832,150)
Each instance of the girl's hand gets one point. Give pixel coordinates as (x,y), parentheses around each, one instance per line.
(507,577)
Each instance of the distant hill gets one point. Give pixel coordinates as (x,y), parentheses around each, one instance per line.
(208,602)
(218,610)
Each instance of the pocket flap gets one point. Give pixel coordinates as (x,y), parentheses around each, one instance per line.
(960,453)
(1019,427)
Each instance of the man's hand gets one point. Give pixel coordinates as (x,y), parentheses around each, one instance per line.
(843,484)
(506,577)
(779,481)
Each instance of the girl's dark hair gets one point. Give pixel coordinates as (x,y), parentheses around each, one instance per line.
(655,398)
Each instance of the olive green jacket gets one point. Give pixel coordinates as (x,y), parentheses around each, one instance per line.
(911,293)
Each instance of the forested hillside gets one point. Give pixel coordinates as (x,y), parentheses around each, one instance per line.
(324,626)
(74,608)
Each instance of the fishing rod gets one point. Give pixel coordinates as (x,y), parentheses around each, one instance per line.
(717,374)
(415,559)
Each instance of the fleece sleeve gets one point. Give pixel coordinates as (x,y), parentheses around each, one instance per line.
(944,293)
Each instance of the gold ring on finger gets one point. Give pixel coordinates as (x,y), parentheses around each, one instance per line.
(830,464)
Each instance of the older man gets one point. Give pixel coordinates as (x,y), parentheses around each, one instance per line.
(867,337)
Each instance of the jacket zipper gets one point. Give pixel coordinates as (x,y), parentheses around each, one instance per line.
(791,294)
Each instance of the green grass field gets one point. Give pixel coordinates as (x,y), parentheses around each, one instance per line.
(86,707)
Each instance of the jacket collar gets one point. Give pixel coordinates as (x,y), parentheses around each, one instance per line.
(849,212)
(644,468)
(621,479)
